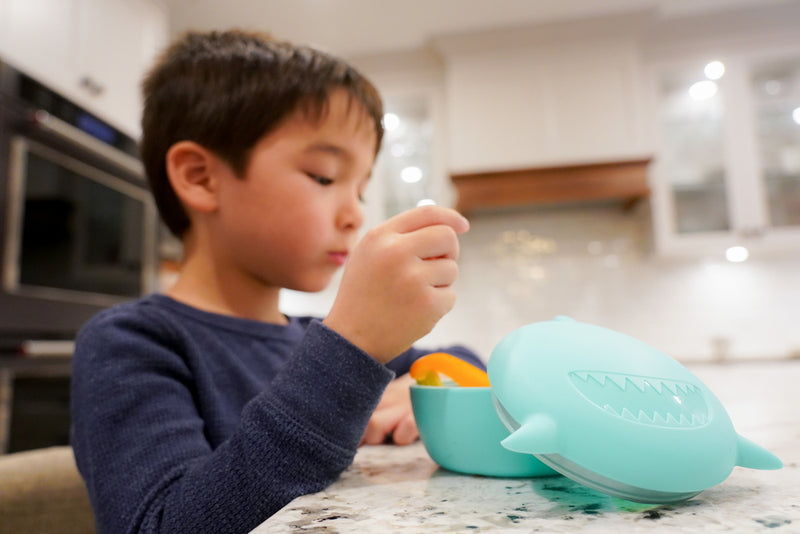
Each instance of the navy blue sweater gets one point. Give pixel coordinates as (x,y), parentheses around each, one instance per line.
(189,421)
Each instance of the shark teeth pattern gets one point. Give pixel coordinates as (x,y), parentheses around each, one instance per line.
(643,399)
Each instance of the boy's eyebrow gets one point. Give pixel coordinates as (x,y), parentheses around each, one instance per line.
(328,148)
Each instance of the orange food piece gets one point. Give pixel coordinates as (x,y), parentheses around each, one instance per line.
(462,373)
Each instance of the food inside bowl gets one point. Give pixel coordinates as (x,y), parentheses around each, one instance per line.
(426,371)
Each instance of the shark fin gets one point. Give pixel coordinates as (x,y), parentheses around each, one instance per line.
(755,456)
(537,435)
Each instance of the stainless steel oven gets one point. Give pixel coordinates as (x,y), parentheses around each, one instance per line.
(78,225)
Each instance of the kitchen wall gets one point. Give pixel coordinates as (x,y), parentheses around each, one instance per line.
(593,262)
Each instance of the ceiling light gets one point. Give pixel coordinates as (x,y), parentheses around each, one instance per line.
(426,202)
(411,175)
(390,121)
(796,115)
(703,90)
(737,254)
(714,70)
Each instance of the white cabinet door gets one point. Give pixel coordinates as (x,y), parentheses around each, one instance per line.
(544,104)
(774,88)
(37,36)
(117,40)
(727,171)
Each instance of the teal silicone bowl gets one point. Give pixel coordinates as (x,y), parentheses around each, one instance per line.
(462,432)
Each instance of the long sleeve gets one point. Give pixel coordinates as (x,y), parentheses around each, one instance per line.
(169,443)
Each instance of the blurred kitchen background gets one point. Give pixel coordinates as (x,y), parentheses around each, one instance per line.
(630,163)
(697,101)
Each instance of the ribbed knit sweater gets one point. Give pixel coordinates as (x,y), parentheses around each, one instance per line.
(190,421)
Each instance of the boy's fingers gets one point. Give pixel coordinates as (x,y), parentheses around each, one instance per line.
(435,242)
(417,218)
(381,425)
(406,433)
(441,272)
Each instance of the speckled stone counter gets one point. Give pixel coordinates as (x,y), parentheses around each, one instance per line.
(399,489)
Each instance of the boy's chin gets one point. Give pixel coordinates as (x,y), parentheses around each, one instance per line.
(312,286)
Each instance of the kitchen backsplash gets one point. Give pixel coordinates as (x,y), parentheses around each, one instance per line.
(595,263)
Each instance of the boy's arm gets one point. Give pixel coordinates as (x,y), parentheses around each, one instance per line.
(145,453)
(396,286)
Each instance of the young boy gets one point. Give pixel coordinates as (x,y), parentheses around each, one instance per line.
(205,409)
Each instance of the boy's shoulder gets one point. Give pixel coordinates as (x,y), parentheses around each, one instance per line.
(143,308)
(141,315)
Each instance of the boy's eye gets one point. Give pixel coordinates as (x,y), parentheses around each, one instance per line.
(321,180)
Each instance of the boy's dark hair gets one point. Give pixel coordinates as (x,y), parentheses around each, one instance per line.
(225,91)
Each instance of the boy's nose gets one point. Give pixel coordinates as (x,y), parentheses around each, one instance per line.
(350,215)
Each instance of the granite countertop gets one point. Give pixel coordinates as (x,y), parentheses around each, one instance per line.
(400,489)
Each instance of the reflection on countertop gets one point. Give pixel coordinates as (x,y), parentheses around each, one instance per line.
(399,489)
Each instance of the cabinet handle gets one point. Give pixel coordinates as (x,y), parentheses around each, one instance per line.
(94,88)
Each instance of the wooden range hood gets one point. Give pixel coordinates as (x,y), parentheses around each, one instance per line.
(622,180)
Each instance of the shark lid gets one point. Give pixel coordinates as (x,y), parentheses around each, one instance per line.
(613,413)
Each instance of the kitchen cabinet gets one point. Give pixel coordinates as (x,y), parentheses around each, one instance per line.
(727,168)
(562,94)
(94,52)
(119,40)
(406,167)
(411,168)
(38,36)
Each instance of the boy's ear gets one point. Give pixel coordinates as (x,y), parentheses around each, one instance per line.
(190,170)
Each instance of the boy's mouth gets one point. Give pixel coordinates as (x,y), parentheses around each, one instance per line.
(338,257)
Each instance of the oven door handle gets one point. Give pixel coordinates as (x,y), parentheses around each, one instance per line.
(63,130)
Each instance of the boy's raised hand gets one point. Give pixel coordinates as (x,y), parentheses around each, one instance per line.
(397,281)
